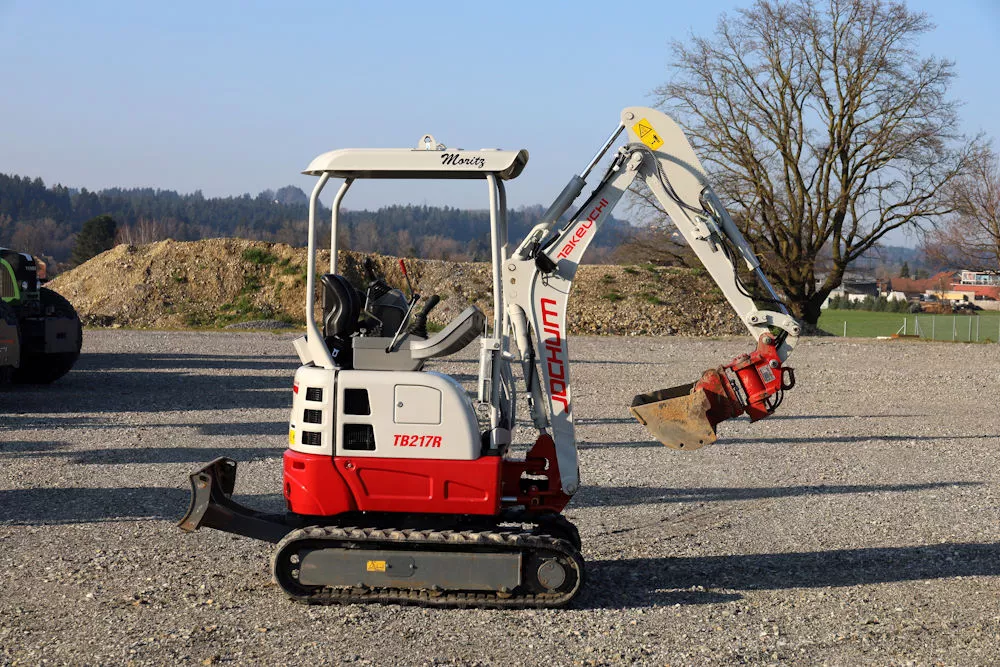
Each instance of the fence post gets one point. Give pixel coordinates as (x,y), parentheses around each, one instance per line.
(845,329)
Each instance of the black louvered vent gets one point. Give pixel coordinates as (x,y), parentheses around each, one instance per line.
(7,287)
(314,394)
(356,402)
(312,416)
(314,438)
(359,437)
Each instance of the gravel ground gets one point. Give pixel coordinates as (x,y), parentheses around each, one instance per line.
(857,526)
(265,325)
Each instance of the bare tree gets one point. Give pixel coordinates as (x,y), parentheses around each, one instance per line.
(141,232)
(656,243)
(435,246)
(39,237)
(365,237)
(822,127)
(971,237)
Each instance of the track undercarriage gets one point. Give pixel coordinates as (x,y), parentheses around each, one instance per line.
(500,568)
(516,559)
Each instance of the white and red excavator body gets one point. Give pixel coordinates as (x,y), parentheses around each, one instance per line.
(403,487)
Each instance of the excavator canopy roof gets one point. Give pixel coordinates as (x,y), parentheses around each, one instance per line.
(432,161)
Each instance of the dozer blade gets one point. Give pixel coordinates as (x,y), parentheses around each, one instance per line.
(212,507)
(677,417)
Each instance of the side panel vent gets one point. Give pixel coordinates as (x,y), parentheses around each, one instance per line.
(7,288)
(314,393)
(359,437)
(314,438)
(312,416)
(356,402)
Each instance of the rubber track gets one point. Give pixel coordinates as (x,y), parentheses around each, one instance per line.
(556,525)
(513,540)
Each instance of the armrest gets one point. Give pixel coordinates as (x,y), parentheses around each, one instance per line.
(460,332)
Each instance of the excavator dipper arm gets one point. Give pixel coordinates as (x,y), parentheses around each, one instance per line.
(539,275)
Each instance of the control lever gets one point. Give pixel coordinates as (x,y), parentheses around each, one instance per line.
(402,325)
(418,327)
(409,309)
(409,285)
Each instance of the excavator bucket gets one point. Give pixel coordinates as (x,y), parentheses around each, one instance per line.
(677,417)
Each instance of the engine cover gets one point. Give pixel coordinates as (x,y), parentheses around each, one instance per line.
(382,414)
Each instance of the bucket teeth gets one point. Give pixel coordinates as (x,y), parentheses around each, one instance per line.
(677,417)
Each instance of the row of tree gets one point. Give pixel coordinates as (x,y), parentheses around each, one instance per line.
(29,199)
(45,221)
(878,304)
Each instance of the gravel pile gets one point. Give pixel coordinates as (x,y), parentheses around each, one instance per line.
(858,526)
(217,282)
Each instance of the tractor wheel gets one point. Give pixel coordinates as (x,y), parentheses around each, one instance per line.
(40,368)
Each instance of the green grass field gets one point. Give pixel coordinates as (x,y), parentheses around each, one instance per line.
(985,325)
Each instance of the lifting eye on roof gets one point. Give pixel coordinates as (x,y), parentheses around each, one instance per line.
(429,143)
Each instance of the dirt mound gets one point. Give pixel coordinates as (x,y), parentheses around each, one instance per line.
(218,282)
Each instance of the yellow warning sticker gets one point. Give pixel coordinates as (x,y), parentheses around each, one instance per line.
(375,566)
(647,134)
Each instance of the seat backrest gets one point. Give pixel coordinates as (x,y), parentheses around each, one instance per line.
(341,307)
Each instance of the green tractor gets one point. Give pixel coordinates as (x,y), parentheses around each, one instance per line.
(40,331)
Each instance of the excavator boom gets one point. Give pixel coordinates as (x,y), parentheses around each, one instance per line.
(657,153)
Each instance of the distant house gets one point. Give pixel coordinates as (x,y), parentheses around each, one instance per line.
(953,295)
(894,295)
(950,286)
(855,287)
(979,278)
(913,288)
(978,284)
(943,286)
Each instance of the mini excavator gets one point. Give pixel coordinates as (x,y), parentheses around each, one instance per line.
(401,486)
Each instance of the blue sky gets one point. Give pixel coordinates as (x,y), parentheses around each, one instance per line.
(233,97)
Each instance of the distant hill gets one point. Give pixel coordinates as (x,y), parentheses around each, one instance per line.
(291,196)
(43,220)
